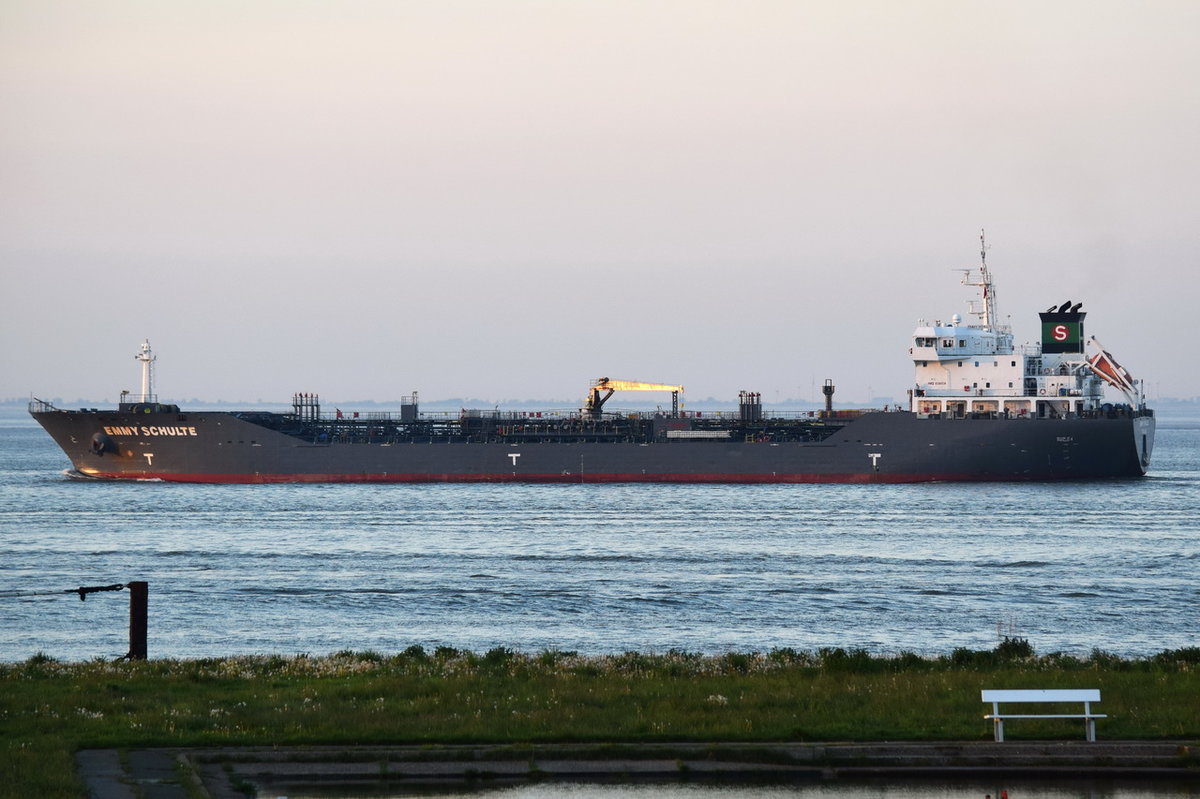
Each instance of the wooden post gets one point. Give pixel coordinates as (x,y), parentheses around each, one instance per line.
(138,595)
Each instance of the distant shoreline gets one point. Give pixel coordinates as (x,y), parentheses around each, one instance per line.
(1169,406)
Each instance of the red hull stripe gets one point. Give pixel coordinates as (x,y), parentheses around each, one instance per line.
(559,478)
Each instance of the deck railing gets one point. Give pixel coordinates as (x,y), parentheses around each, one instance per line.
(532,417)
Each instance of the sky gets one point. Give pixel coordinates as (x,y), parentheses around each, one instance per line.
(508,200)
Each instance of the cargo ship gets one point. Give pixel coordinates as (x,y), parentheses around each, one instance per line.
(979,409)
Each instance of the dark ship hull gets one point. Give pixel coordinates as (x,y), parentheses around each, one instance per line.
(159,442)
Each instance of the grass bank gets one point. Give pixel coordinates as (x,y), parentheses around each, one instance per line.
(50,709)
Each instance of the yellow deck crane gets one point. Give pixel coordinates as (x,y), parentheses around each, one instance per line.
(603,388)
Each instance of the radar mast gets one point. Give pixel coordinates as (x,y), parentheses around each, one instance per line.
(147,357)
(985,309)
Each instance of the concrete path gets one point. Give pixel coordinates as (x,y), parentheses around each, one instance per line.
(224,773)
(143,774)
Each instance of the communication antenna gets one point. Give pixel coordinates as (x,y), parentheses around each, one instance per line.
(986,314)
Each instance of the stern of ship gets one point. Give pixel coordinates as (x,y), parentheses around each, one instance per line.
(1143,438)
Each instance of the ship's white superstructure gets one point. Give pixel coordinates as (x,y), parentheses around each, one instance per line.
(970,368)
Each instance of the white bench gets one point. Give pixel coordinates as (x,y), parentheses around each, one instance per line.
(1084,695)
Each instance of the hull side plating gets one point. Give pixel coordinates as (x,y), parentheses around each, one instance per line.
(878,447)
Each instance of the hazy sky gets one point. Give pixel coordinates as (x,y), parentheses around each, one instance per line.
(505,200)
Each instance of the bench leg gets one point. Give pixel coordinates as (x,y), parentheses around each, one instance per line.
(998,729)
(1091,729)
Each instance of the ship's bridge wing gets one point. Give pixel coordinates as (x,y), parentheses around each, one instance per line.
(938,342)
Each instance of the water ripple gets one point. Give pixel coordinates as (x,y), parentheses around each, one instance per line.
(599,568)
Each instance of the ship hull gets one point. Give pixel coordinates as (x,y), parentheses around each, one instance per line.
(881,447)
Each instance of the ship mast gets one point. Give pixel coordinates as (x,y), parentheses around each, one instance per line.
(986,314)
(147,357)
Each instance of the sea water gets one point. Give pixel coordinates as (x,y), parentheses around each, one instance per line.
(288,569)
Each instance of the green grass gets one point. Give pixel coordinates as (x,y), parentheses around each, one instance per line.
(49,709)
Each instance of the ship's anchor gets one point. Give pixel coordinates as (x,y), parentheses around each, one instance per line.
(101,443)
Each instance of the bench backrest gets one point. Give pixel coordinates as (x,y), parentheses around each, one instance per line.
(1050,695)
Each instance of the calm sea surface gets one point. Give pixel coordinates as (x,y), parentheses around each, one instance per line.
(606,568)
